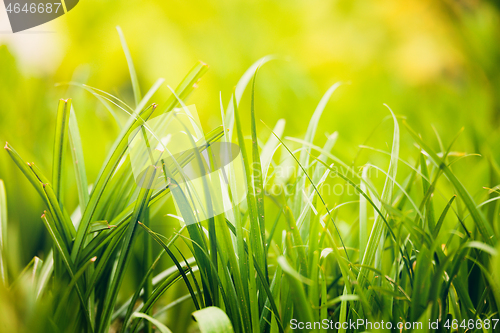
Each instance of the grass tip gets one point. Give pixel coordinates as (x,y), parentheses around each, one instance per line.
(93,259)
(6,146)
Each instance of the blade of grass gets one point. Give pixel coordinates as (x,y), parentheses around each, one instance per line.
(146,263)
(213,320)
(442,217)
(255,229)
(238,92)
(257,185)
(3,233)
(60,143)
(69,288)
(304,154)
(78,160)
(302,307)
(430,206)
(131,68)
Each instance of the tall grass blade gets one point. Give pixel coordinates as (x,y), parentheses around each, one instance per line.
(3,233)
(238,92)
(78,161)
(257,185)
(309,138)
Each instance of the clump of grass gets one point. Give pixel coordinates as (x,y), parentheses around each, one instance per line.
(277,256)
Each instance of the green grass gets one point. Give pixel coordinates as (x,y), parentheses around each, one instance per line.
(416,245)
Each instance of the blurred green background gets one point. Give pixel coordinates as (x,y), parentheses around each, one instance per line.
(435,63)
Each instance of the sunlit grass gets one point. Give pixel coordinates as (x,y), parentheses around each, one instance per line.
(278,256)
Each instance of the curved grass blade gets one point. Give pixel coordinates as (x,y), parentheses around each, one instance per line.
(257,184)
(309,138)
(442,217)
(162,328)
(238,92)
(131,68)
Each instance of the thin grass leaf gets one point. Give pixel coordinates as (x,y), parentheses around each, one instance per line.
(133,75)
(60,143)
(257,184)
(213,320)
(78,160)
(238,92)
(3,233)
(146,264)
(442,217)
(309,138)
(145,278)
(100,226)
(426,185)
(255,229)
